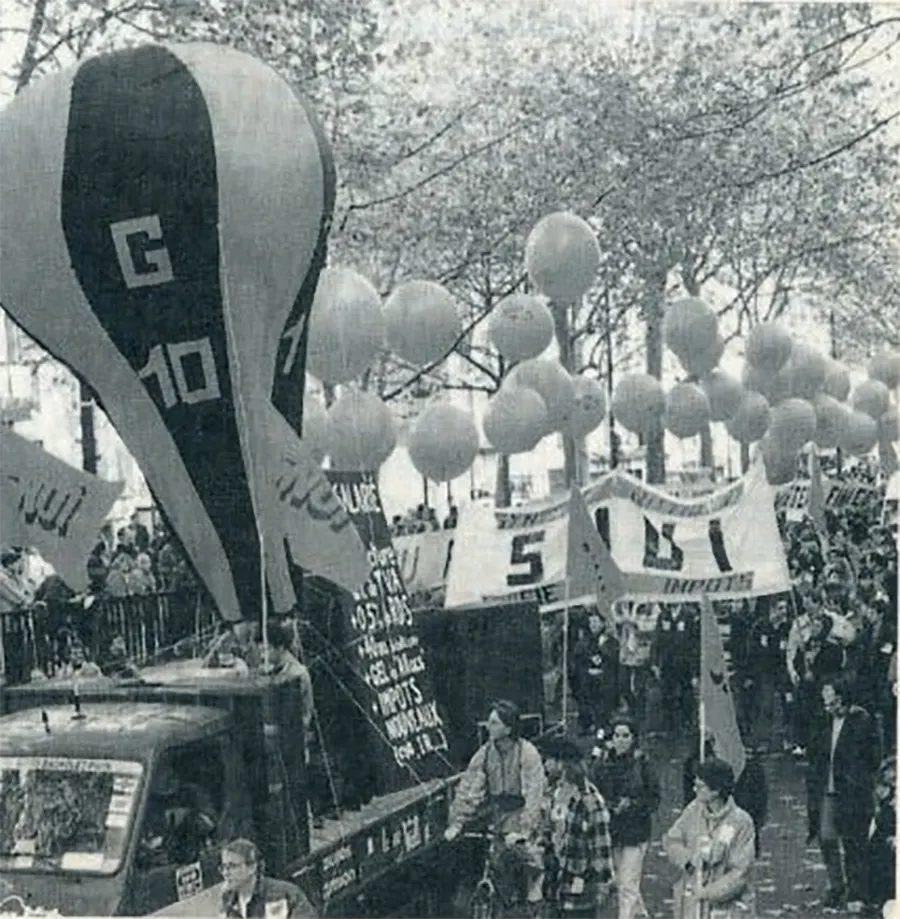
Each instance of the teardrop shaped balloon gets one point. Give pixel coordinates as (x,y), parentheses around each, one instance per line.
(162,230)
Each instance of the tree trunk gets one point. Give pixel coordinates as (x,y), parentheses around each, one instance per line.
(503,488)
(29,56)
(653,339)
(89,455)
(562,329)
(706,448)
(745,458)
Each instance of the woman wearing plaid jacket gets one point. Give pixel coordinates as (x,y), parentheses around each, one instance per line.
(579,863)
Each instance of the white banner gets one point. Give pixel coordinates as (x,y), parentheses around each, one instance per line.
(51,506)
(793,498)
(725,544)
(424,559)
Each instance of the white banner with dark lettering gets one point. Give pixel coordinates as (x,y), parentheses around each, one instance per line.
(51,506)
(793,498)
(424,559)
(724,544)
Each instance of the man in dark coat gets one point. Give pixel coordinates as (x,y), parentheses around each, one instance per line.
(842,766)
(596,668)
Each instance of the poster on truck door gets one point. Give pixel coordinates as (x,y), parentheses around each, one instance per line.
(724,544)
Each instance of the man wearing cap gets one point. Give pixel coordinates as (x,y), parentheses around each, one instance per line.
(712,842)
(578,846)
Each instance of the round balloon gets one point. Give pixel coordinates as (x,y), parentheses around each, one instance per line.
(639,403)
(687,410)
(690,329)
(837,380)
(590,406)
(724,393)
(829,420)
(780,462)
(422,321)
(315,429)
(361,434)
(806,371)
(775,387)
(702,362)
(769,346)
(346,326)
(792,424)
(888,426)
(521,327)
(443,443)
(515,420)
(885,367)
(859,433)
(751,421)
(552,383)
(562,257)
(871,397)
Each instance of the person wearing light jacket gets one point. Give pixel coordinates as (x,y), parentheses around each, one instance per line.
(712,842)
(506,778)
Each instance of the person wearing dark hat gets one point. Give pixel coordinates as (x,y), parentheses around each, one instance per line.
(627,781)
(712,842)
(507,775)
(579,867)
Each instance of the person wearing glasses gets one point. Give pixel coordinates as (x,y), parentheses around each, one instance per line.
(247,893)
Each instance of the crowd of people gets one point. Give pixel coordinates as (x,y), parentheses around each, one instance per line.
(423,519)
(813,674)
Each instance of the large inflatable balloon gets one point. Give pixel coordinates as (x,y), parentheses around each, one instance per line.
(515,420)
(699,363)
(885,367)
(549,379)
(806,371)
(361,434)
(687,410)
(837,380)
(775,387)
(751,421)
(724,393)
(871,397)
(859,433)
(443,443)
(780,462)
(163,225)
(423,323)
(690,329)
(562,257)
(792,424)
(889,425)
(346,326)
(830,416)
(521,327)
(639,403)
(769,346)
(590,406)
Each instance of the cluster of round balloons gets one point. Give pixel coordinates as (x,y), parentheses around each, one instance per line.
(789,394)
(419,323)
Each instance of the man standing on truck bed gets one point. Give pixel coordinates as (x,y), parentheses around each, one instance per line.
(247,893)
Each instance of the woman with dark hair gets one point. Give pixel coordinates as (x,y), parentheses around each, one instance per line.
(712,843)
(630,787)
(506,775)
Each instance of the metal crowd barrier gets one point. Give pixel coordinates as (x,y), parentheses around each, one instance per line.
(38,640)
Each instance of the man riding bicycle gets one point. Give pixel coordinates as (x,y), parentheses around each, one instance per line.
(506,778)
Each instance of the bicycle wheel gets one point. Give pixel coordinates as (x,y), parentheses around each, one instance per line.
(484,901)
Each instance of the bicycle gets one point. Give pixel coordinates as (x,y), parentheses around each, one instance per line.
(489,897)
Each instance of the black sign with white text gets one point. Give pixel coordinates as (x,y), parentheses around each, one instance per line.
(386,652)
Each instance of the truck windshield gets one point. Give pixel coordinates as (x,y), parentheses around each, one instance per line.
(65,815)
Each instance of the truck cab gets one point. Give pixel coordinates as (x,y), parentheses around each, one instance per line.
(115,799)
